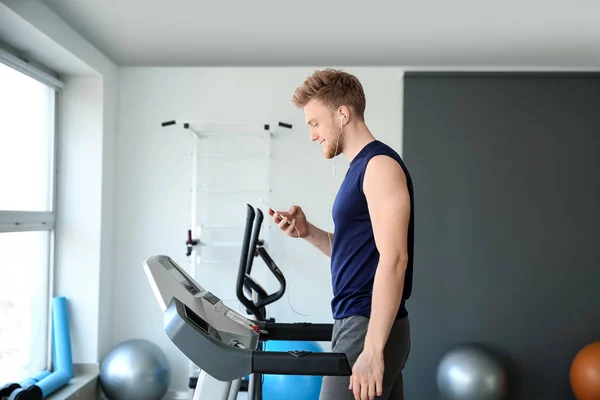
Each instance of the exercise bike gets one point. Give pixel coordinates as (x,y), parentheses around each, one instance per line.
(224,344)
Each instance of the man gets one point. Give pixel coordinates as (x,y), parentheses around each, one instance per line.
(372,247)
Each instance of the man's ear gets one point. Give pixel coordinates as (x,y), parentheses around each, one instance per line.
(344,113)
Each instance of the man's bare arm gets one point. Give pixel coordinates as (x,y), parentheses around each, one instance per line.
(389,207)
(320,239)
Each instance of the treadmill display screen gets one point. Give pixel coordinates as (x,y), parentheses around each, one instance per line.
(185,282)
(195,318)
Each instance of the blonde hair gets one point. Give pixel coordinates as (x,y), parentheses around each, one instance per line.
(333,88)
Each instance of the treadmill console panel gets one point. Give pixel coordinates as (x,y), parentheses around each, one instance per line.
(175,271)
(196,319)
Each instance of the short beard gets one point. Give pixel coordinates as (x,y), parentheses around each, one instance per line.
(338,140)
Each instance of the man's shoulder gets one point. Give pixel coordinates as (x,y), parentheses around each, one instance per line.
(374,149)
(384,154)
(385,162)
(379,148)
(384,147)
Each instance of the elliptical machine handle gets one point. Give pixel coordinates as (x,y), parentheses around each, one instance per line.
(252,247)
(278,275)
(241,279)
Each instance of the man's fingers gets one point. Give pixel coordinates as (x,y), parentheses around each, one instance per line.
(371,391)
(283,222)
(354,387)
(278,216)
(379,387)
(364,388)
(290,230)
(356,391)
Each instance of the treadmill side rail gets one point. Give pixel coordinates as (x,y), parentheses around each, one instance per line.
(300,363)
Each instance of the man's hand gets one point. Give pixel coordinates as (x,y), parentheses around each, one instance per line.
(367,375)
(293,222)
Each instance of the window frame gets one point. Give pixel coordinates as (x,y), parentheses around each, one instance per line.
(21,221)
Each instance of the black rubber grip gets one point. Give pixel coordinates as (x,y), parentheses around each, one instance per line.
(167,123)
(31,393)
(300,363)
(296,331)
(7,389)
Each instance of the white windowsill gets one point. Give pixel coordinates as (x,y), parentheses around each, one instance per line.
(83,385)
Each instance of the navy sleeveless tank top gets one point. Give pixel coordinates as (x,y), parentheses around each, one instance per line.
(355,257)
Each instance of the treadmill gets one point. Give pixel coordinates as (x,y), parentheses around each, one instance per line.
(224,344)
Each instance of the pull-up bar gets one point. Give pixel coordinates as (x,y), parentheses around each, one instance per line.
(186,123)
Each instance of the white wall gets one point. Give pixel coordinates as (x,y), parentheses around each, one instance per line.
(107,214)
(87,128)
(154,179)
(78,228)
(84,254)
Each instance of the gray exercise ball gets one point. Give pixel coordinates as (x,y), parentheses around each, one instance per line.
(469,372)
(135,370)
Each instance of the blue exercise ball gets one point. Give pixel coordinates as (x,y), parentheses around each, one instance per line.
(135,370)
(291,387)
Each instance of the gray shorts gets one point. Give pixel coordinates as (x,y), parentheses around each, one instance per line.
(348,337)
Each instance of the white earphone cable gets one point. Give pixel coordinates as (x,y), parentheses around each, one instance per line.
(329,214)
(329,209)
(292,273)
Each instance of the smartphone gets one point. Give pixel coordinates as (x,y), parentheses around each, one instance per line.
(271,207)
(267,204)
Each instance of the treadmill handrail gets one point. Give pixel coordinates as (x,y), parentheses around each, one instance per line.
(300,363)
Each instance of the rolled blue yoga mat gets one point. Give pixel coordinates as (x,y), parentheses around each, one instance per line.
(34,379)
(62,338)
(61,346)
(53,382)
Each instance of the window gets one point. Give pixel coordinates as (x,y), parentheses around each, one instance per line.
(27,191)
